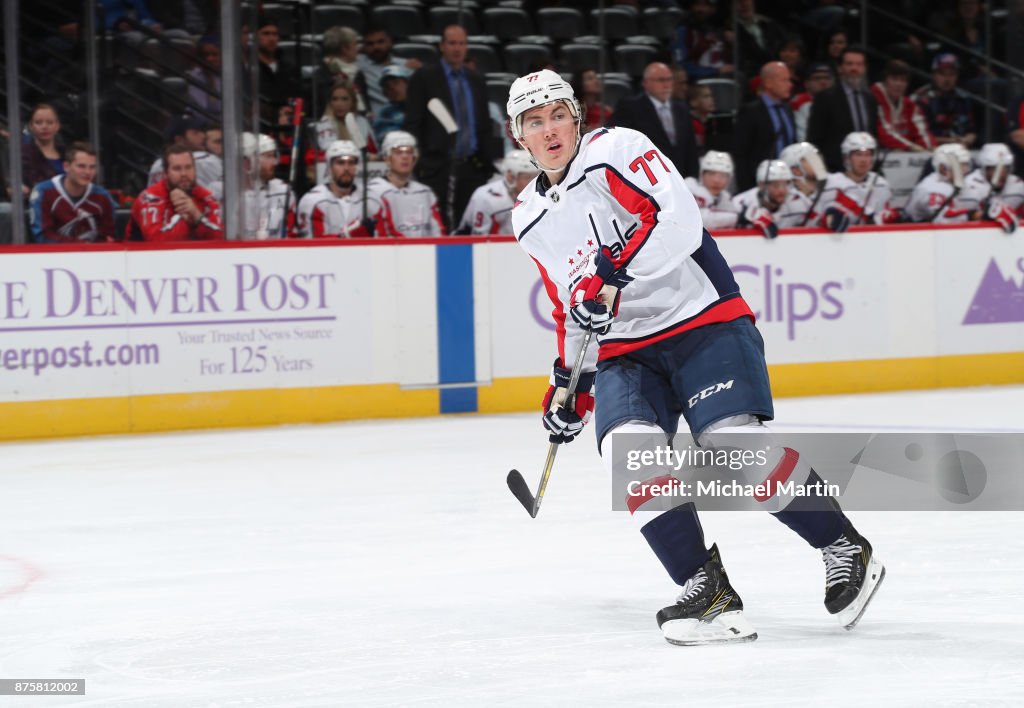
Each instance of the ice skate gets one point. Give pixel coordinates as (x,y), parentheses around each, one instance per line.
(852,575)
(707,611)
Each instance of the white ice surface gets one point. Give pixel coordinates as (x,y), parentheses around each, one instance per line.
(386,563)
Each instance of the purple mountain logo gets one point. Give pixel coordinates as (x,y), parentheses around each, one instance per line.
(999,298)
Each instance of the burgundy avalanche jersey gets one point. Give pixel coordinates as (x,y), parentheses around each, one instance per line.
(621,192)
(58,217)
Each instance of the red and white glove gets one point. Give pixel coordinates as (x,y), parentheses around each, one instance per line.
(1002,215)
(890,216)
(761,219)
(594,300)
(563,423)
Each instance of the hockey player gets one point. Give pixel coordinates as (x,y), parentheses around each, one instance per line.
(265,196)
(715,202)
(335,209)
(774,203)
(72,208)
(808,168)
(859,195)
(944,196)
(175,208)
(994,177)
(409,207)
(620,246)
(490,207)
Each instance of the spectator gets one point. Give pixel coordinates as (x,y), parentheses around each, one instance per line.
(40,156)
(680,83)
(759,37)
(1003,191)
(832,49)
(336,209)
(1015,130)
(204,93)
(409,208)
(197,17)
(702,105)
(661,118)
(586,85)
(395,84)
(123,15)
(901,125)
(858,195)
(766,125)
(819,78)
(946,108)
(278,79)
(331,126)
(773,203)
(374,60)
(717,210)
(944,196)
(490,208)
(215,141)
(464,93)
(791,53)
(702,45)
(340,49)
(71,208)
(176,208)
(846,108)
(190,132)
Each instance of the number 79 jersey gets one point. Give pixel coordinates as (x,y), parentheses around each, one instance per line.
(621,192)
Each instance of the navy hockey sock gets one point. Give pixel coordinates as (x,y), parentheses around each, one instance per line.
(677,538)
(817,519)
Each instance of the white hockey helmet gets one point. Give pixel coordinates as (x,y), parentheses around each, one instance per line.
(716,161)
(773,171)
(858,140)
(250,144)
(955,159)
(341,148)
(516,162)
(996,155)
(804,157)
(538,89)
(266,144)
(397,139)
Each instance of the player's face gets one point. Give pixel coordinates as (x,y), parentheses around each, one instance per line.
(81,169)
(715,181)
(341,102)
(268,163)
(401,160)
(990,173)
(775,193)
(549,133)
(181,172)
(343,171)
(860,162)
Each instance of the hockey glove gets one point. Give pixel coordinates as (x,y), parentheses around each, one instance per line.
(565,424)
(1002,215)
(594,301)
(836,220)
(762,220)
(890,216)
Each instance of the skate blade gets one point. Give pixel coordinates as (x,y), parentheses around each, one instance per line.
(850,616)
(726,628)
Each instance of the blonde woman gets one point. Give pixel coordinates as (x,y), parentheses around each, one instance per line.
(340,102)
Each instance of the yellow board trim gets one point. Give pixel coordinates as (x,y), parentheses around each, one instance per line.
(226,409)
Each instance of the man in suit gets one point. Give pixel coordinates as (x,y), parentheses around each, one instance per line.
(846,107)
(765,126)
(663,119)
(464,93)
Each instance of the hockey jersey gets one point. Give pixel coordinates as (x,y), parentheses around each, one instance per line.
(717,212)
(155,219)
(323,215)
(489,210)
(619,192)
(263,211)
(57,217)
(209,170)
(409,211)
(794,211)
(865,201)
(934,199)
(1012,193)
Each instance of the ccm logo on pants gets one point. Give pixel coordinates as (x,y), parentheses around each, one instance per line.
(709,391)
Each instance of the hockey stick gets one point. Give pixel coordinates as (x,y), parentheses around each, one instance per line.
(515,480)
(360,140)
(444,117)
(296,125)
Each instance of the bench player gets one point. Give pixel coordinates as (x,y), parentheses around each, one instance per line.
(714,200)
(490,207)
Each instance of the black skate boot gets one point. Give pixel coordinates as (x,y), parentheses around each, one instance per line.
(707,611)
(852,575)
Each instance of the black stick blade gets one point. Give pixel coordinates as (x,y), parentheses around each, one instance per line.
(521,491)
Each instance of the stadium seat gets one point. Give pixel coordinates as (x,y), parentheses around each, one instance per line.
(444,15)
(577,57)
(520,58)
(426,53)
(633,58)
(507,23)
(486,58)
(497,91)
(401,20)
(179,55)
(283,16)
(727,94)
(304,54)
(619,22)
(325,16)
(661,22)
(173,93)
(616,89)
(561,23)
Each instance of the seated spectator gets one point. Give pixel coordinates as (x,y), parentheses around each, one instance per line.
(176,208)
(901,125)
(409,207)
(702,45)
(586,85)
(336,209)
(791,53)
(490,207)
(759,37)
(944,196)
(702,105)
(340,51)
(846,108)
(858,195)
(278,80)
(215,141)
(819,78)
(189,131)
(808,168)
(773,203)
(680,83)
(375,59)
(394,83)
(716,206)
(331,126)
(766,125)
(204,93)
(41,157)
(832,48)
(121,16)
(946,108)
(1003,191)
(72,208)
